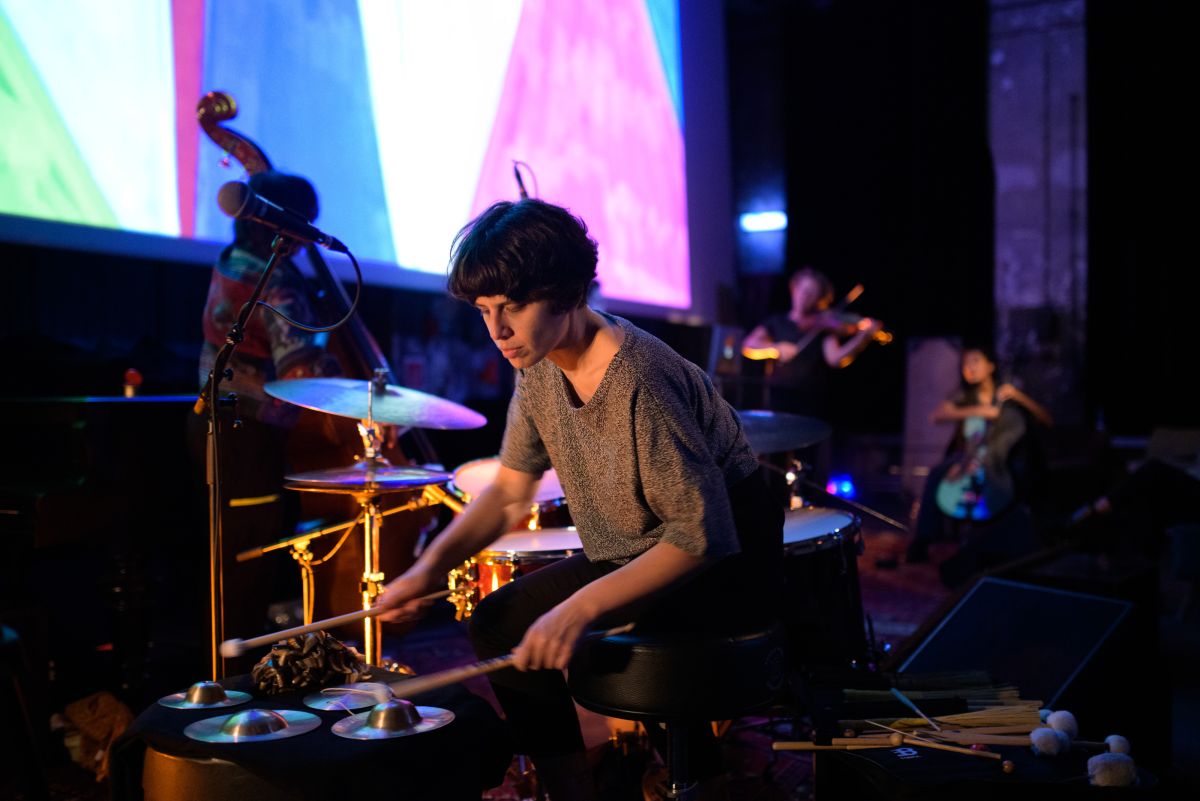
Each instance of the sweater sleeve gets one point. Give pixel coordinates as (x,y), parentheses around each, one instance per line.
(681,481)
(522,447)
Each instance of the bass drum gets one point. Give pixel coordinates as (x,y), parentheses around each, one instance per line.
(823,610)
(549,507)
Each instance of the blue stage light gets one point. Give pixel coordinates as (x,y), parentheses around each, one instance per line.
(842,486)
(756,221)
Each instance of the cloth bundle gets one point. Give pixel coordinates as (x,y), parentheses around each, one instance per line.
(314,660)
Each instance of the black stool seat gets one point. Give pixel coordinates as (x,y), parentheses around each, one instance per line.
(680,676)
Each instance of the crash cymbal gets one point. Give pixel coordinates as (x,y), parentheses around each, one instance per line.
(775,432)
(398,406)
(369,475)
(252,726)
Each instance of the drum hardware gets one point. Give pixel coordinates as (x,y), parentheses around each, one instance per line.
(299,544)
(507,559)
(423,684)
(236,647)
(371,518)
(372,403)
(394,717)
(204,695)
(253,726)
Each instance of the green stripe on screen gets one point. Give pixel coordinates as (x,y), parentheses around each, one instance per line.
(41,171)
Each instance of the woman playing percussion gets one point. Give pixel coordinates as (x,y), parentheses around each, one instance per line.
(676,523)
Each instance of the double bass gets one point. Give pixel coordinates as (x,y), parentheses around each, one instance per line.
(321,441)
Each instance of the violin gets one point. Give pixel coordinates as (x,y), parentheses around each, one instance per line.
(845,323)
(834,320)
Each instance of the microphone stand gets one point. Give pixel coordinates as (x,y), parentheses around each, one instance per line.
(210,403)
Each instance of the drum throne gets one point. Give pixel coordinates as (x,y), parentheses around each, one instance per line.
(679,680)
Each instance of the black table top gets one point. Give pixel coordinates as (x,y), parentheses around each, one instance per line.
(459,760)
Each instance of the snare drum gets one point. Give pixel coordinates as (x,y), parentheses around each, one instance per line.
(823,601)
(549,507)
(508,558)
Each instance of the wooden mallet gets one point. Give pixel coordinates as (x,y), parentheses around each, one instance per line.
(410,687)
(235,647)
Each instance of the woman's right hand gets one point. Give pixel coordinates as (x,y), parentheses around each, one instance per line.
(402,595)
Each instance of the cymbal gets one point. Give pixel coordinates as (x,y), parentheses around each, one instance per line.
(204,695)
(775,432)
(393,718)
(253,725)
(395,405)
(372,475)
(358,695)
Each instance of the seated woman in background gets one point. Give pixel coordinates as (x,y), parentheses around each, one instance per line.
(992,459)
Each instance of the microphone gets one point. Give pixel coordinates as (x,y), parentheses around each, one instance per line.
(520,183)
(239,201)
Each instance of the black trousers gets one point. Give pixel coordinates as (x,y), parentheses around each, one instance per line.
(740,590)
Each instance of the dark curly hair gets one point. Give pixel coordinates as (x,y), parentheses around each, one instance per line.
(526,251)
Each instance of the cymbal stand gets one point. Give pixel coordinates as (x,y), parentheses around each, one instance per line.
(372,580)
(372,520)
(304,558)
(299,545)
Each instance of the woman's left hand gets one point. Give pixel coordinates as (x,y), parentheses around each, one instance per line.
(551,640)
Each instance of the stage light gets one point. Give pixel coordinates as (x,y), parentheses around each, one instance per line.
(758,221)
(842,486)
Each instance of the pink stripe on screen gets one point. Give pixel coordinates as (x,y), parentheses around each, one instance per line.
(586,104)
(187,23)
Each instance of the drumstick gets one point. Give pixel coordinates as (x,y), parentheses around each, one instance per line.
(904,699)
(235,647)
(410,687)
(911,739)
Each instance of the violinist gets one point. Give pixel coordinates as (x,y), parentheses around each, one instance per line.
(806,343)
(991,459)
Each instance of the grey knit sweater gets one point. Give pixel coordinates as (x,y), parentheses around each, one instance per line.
(648,458)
